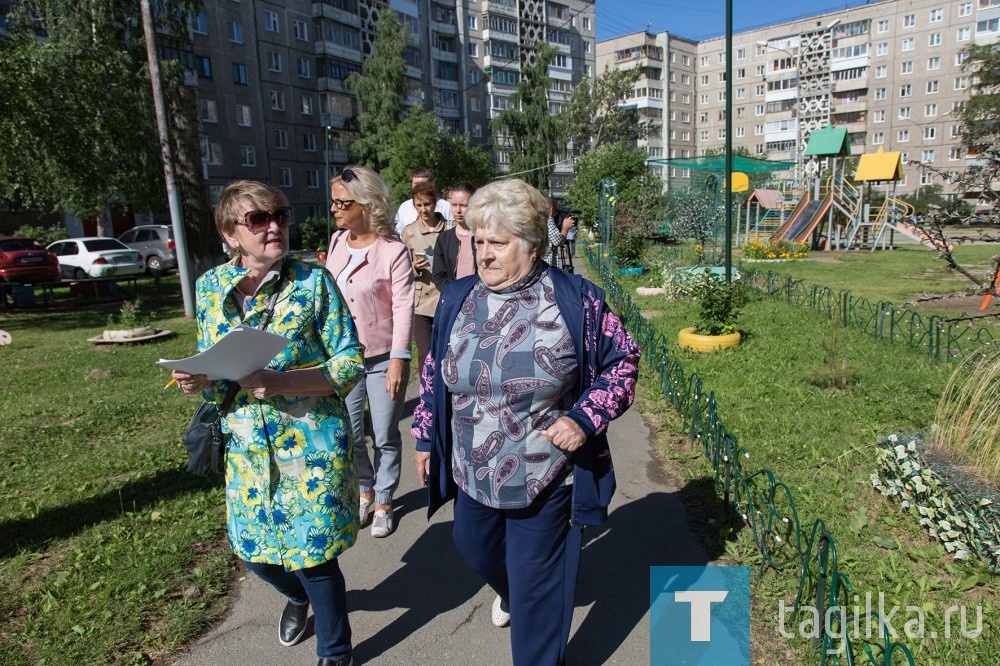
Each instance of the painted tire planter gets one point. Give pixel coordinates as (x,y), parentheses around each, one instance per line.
(688,339)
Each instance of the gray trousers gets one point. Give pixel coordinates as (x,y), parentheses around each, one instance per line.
(380,469)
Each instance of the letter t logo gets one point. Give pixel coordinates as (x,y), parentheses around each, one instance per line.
(701,611)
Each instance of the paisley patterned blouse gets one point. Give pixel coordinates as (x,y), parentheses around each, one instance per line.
(291,487)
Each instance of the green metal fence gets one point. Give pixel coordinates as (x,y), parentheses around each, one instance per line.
(761,500)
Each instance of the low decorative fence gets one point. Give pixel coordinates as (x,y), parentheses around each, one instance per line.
(759,498)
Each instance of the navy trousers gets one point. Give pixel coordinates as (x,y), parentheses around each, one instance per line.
(530,557)
(324,588)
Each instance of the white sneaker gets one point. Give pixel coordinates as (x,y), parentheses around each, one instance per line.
(382,523)
(365,507)
(501,618)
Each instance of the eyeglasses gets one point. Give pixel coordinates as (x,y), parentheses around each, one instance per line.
(258,221)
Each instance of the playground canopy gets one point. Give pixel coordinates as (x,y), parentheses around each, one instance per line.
(828,141)
(880,166)
(718,163)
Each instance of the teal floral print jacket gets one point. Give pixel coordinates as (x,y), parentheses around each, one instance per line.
(291,486)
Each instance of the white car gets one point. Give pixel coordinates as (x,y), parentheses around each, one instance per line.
(96,257)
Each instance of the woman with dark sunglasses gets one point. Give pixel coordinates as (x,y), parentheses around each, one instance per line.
(291,486)
(374,272)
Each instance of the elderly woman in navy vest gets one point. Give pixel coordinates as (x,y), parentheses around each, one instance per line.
(527,368)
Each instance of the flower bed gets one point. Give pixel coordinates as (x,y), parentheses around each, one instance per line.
(783,249)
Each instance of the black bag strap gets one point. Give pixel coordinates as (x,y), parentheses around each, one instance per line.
(265,319)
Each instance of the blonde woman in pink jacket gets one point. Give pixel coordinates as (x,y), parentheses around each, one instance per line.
(374,273)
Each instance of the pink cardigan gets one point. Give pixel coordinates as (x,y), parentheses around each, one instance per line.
(379,294)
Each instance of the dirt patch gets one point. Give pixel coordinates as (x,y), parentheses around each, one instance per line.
(825,257)
(651,314)
(959,303)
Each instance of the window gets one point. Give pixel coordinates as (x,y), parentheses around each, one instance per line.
(586,46)
(758,130)
(472,22)
(586,23)
(955,154)
(904,112)
(906,67)
(301,31)
(561,61)
(686,60)
(741,73)
(988,25)
(243,115)
(909,20)
(302,66)
(932,86)
(961,57)
(704,98)
(961,82)
(704,61)
(274,61)
(686,79)
(271,21)
(477,129)
(760,70)
(882,48)
(236,32)
(704,135)
(704,79)
(204,65)
(211,152)
(878,116)
(741,93)
(927,156)
(965,9)
(883,25)
(878,138)
(937,15)
(934,39)
(473,76)
(722,58)
(759,89)
(309,142)
(448,99)
(239,73)
(907,44)
(448,71)
(305,105)
(905,90)
(277,100)
(956,131)
(248,156)
(880,93)
(475,104)
(472,48)
(722,133)
(312,178)
(741,54)
(934,63)
(198,23)
(685,98)
(930,110)
(963,35)
(881,71)
(903,136)
(208,111)
(284,177)
(758,110)
(930,132)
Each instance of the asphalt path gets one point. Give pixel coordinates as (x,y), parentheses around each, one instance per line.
(412,601)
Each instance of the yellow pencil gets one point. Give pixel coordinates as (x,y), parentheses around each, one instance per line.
(170,383)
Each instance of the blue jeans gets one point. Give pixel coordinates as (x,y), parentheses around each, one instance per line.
(383,475)
(322,586)
(530,557)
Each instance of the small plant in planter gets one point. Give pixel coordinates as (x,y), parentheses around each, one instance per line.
(130,323)
(720,305)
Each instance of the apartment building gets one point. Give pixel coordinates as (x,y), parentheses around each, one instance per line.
(890,71)
(270,77)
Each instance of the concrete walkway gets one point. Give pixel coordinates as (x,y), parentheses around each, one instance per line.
(412,601)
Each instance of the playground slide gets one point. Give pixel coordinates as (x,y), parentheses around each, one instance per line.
(804,219)
(914,232)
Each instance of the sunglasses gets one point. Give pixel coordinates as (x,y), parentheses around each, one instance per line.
(347,175)
(258,221)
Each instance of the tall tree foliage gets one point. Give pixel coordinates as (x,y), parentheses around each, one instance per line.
(639,189)
(980,116)
(527,130)
(380,89)
(596,115)
(419,141)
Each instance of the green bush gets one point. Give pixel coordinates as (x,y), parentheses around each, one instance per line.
(43,235)
(720,304)
(312,234)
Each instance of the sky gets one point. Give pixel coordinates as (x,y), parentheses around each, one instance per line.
(701,19)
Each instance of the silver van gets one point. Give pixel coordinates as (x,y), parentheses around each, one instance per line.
(156,243)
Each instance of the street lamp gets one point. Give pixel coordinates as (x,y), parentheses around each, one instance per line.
(326,171)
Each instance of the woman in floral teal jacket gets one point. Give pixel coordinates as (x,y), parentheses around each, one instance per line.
(291,485)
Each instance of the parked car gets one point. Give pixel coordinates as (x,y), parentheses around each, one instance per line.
(96,257)
(24,260)
(156,243)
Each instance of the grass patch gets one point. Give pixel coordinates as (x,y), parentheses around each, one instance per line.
(111,553)
(810,402)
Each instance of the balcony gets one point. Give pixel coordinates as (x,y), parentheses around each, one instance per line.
(328,84)
(501,7)
(444,56)
(338,51)
(447,29)
(324,10)
(859,83)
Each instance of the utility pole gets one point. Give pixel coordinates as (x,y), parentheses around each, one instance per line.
(173,195)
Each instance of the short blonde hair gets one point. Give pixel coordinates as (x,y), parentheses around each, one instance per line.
(372,194)
(242,196)
(514,206)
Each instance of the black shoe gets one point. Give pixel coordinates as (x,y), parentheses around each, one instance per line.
(326,661)
(292,626)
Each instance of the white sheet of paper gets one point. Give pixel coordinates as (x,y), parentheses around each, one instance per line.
(238,353)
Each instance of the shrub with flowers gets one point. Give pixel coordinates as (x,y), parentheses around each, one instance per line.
(783,249)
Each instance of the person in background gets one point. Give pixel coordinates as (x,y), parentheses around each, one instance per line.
(291,486)
(528,366)
(455,253)
(569,230)
(421,238)
(556,238)
(373,270)
(407,212)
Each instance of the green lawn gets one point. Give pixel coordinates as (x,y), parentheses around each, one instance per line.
(774,394)
(111,552)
